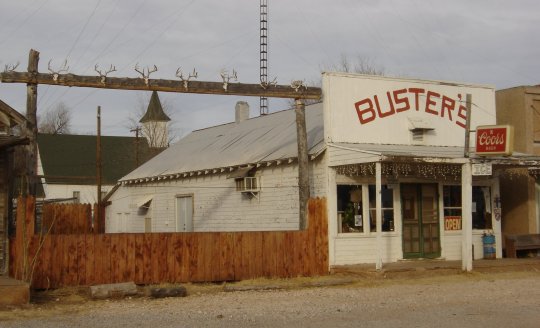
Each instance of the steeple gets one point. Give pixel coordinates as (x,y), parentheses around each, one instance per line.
(155,123)
(154,112)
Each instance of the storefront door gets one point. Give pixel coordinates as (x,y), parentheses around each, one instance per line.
(420,221)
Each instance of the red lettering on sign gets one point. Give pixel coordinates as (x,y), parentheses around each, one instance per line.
(370,111)
(429,102)
(402,100)
(399,101)
(449,105)
(462,113)
(380,112)
(417,92)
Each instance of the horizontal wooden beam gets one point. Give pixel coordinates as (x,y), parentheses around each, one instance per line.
(124,83)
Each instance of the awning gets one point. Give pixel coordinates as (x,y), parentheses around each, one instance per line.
(240,173)
(145,202)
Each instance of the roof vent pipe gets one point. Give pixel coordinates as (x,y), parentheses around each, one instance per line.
(241,111)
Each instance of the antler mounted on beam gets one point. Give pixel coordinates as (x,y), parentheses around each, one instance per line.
(103,75)
(11,68)
(227,77)
(62,69)
(179,75)
(145,73)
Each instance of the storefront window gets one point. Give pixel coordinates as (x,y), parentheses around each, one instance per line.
(452,207)
(387,196)
(349,203)
(481,207)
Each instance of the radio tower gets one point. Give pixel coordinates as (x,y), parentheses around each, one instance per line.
(264,53)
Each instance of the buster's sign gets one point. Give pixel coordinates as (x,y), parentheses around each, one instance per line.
(494,140)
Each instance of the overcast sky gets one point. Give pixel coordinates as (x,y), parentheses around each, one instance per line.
(490,42)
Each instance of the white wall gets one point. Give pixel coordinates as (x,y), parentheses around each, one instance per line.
(217,204)
(357,109)
(88,193)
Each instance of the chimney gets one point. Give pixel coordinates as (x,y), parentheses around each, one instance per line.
(241,111)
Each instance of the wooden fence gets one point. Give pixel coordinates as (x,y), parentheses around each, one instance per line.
(71,219)
(88,259)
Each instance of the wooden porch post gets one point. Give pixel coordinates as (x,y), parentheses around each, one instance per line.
(378,214)
(466,215)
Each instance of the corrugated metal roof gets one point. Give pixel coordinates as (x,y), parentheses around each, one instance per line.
(257,140)
(435,152)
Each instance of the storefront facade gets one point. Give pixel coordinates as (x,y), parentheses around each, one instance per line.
(400,185)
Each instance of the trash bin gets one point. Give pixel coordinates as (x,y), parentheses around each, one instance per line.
(489,246)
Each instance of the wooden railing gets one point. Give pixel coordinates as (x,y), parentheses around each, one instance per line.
(88,259)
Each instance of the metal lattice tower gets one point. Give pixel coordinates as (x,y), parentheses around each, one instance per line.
(264,53)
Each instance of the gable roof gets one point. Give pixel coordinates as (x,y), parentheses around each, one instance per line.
(15,118)
(154,112)
(253,141)
(71,159)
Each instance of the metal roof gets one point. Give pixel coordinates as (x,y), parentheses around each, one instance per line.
(257,140)
(387,152)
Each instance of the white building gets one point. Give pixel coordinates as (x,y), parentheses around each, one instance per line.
(387,153)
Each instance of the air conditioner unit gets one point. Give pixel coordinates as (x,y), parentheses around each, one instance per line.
(247,184)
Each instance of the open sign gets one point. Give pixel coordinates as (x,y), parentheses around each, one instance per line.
(452,223)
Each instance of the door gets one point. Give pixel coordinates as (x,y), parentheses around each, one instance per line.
(420,221)
(184,213)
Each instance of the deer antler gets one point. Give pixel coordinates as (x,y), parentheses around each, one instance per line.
(227,77)
(297,84)
(180,75)
(11,68)
(103,75)
(145,74)
(63,68)
(266,84)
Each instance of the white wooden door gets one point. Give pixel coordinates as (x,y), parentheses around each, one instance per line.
(184,213)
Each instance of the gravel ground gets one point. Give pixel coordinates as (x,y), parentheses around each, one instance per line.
(465,300)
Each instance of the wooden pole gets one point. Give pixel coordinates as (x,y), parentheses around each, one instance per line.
(31,125)
(98,165)
(468,104)
(303,164)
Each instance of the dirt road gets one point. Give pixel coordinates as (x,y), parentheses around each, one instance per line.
(464,300)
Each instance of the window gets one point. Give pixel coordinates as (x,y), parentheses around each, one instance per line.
(481,207)
(387,196)
(349,206)
(452,207)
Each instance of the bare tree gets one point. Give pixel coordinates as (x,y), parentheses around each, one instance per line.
(361,65)
(56,120)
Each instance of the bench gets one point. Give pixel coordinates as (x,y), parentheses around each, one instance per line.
(516,243)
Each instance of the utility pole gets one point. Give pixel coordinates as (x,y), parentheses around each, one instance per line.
(468,105)
(98,165)
(303,164)
(136,130)
(31,125)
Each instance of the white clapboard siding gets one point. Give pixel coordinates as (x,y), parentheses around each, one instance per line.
(217,204)
(351,249)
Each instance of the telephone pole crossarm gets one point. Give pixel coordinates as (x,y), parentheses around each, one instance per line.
(200,87)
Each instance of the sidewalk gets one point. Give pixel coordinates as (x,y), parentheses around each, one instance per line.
(442,266)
